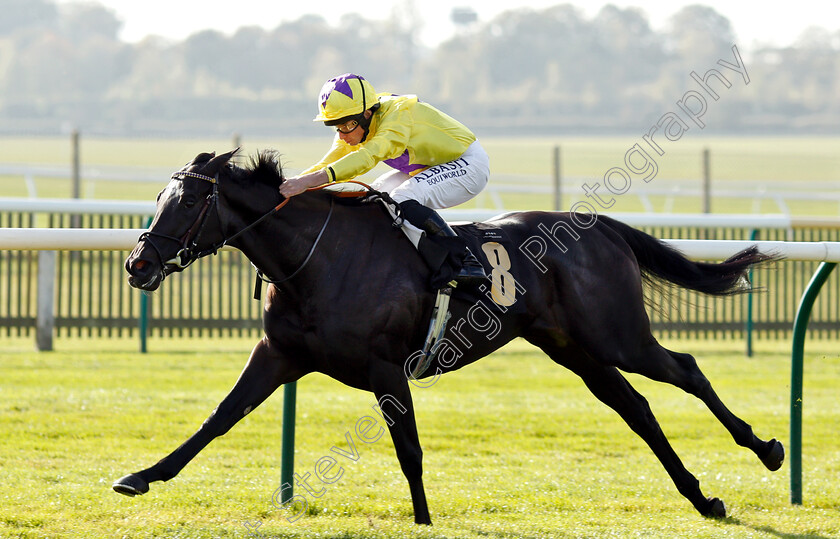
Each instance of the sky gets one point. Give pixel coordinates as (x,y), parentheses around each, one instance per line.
(754,22)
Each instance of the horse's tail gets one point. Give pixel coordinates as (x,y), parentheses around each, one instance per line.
(658,259)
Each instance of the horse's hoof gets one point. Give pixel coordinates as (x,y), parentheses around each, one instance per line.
(775,455)
(131,485)
(715,508)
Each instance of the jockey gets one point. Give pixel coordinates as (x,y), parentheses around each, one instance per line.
(437,161)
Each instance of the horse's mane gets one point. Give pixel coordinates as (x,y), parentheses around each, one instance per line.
(264,168)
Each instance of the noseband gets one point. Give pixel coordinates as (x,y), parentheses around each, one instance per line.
(189,241)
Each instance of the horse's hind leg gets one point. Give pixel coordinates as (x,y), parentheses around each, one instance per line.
(265,372)
(611,388)
(681,370)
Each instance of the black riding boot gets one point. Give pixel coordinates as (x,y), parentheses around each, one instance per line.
(471,272)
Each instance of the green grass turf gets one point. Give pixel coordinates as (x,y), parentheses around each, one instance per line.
(514,447)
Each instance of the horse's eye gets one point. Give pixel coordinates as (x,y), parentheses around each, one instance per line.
(188,201)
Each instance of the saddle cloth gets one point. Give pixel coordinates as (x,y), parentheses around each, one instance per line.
(500,258)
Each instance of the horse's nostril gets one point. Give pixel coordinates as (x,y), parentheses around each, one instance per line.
(139,267)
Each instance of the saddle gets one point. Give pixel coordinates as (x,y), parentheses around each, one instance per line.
(501,294)
(490,244)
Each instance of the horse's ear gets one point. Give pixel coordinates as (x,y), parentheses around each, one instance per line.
(216,164)
(201,158)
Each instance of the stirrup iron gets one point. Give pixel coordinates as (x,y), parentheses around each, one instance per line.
(437,327)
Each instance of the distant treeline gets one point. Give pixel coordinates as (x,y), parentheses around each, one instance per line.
(526,71)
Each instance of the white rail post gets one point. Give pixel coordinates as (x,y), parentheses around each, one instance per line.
(75,175)
(45,318)
(76,170)
(707,182)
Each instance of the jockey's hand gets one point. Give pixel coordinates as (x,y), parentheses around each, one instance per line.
(298,184)
(291,187)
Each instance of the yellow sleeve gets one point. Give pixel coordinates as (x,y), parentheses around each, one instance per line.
(338,150)
(388,140)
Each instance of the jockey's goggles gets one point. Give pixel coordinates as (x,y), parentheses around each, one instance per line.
(347,127)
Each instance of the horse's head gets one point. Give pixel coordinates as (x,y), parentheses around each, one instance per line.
(184,223)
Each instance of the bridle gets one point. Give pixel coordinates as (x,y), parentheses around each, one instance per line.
(189,253)
(186,255)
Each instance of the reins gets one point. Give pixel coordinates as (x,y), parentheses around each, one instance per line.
(271,212)
(189,241)
(225,241)
(260,276)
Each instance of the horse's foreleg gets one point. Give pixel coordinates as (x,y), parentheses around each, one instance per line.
(265,371)
(390,386)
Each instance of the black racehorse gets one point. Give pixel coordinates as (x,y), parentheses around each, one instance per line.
(351,299)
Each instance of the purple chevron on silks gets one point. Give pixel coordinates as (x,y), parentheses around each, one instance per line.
(401,163)
(338,84)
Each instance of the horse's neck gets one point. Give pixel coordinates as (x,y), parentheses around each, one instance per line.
(297,235)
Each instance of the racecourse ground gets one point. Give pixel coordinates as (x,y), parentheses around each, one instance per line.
(514,447)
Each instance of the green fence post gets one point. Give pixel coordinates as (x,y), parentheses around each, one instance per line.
(144,322)
(287,449)
(144,311)
(800,326)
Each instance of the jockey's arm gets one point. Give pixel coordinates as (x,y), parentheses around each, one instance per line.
(298,184)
